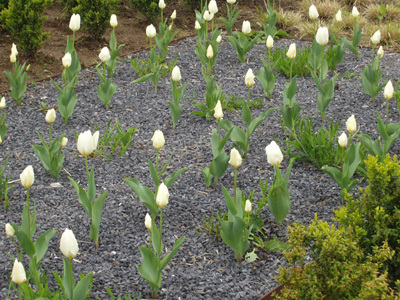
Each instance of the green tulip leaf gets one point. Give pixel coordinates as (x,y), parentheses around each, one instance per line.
(170,255)
(83,287)
(279,202)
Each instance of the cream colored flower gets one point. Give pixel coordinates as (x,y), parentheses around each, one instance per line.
(235,159)
(351,124)
(274,154)
(68,244)
(158,139)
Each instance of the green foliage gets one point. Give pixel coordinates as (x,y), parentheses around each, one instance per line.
(233,103)
(96,15)
(3,5)
(375,215)
(23,19)
(68,5)
(270,22)
(127,297)
(18,81)
(371,77)
(299,63)
(177,95)
(267,79)
(242,44)
(232,14)
(4,186)
(213,94)
(290,110)
(149,8)
(341,269)
(3,125)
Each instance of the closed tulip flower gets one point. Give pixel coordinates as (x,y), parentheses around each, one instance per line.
(351,124)
(176,74)
(354,12)
(247,206)
(14,52)
(158,139)
(9,230)
(322,36)
(235,159)
(27,177)
(64,142)
(270,42)
(50,116)
(338,16)
(376,38)
(68,244)
(18,274)
(66,60)
(147,221)
(162,195)
(274,154)
(380,52)
(197,25)
(210,52)
(212,7)
(246,27)
(291,54)
(388,91)
(113,21)
(313,12)
(208,16)
(161,4)
(173,15)
(249,78)
(2,103)
(219,39)
(75,22)
(104,55)
(342,140)
(87,142)
(151,31)
(218,114)
(231,1)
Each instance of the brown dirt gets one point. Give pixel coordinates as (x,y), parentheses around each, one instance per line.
(130,31)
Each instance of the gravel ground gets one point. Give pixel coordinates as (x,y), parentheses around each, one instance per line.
(204,268)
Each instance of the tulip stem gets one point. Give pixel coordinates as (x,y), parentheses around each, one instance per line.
(373,51)
(87,167)
(73,40)
(161,219)
(150,239)
(49,134)
(248,95)
(291,68)
(219,131)
(387,116)
(158,151)
(234,186)
(29,213)
(162,10)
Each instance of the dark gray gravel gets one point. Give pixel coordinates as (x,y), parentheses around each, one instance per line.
(204,268)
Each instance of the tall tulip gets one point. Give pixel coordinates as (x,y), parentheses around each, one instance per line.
(2,103)
(322,36)
(274,154)
(351,124)
(50,116)
(87,142)
(176,74)
(10,232)
(104,54)
(158,139)
(113,21)
(246,27)
(338,16)
(75,22)
(212,7)
(354,12)
(218,114)
(162,195)
(235,161)
(66,60)
(151,31)
(376,37)
(68,244)
(18,275)
(313,12)
(27,177)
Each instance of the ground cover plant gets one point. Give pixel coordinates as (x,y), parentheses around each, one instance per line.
(137,245)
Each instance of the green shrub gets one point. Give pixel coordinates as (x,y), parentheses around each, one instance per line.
(68,5)
(375,215)
(340,269)
(149,8)
(23,19)
(3,4)
(194,3)
(95,15)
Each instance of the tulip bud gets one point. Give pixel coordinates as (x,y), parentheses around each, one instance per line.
(13,58)
(351,124)
(14,49)
(218,114)
(197,25)
(158,139)
(274,154)
(339,16)
(161,4)
(68,244)
(249,78)
(113,21)
(14,52)
(147,222)
(380,52)
(27,177)
(176,74)
(151,31)
(9,230)
(231,1)
(322,36)
(210,52)
(173,15)
(246,27)
(104,55)
(162,195)
(87,142)
(376,37)
(235,159)
(1,140)
(18,274)
(247,207)
(342,140)
(2,103)
(75,22)
(208,16)
(219,39)
(50,116)
(354,12)
(291,54)
(388,91)
(64,142)
(313,12)
(270,42)
(212,7)
(66,60)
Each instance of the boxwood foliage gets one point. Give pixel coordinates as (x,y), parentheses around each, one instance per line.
(149,8)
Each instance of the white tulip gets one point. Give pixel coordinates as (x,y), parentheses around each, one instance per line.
(270,42)
(176,74)
(75,22)
(161,4)
(291,54)
(351,124)
(18,274)
(173,15)
(68,244)
(322,36)
(14,49)
(247,207)
(380,52)
(162,195)
(113,21)
(27,177)
(376,37)
(87,142)
(249,78)
(388,91)
(1,140)
(313,12)
(158,139)
(197,25)
(14,52)
(9,230)
(235,159)
(66,60)
(338,16)
(218,113)
(104,55)
(50,116)
(208,16)
(210,52)
(274,154)
(2,103)
(342,140)
(246,27)
(212,7)
(219,39)
(354,12)
(147,221)
(151,31)
(231,1)
(64,142)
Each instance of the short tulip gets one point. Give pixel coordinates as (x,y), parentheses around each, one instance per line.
(68,244)
(151,31)
(18,275)
(219,39)
(176,74)
(2,103)
(173,15)
(75,22)
(87,142)
(342,140)
(104,55)
(376,37)
(27,177)
(218,114)
(388,91)
(235,159)
(247,206)
(291,53)
(246,27)
(338,16)
(14,52)
(249,78)
(158,139)
(162,195)
(210,52)
(270,42)
(50,116)
(10,232)
(113,21)
(231,1)
(322,36)
(64,142)
(147,221)
(354,12)
(274,154)
(66,60)
(197,25)
(380,52)
(351,124)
